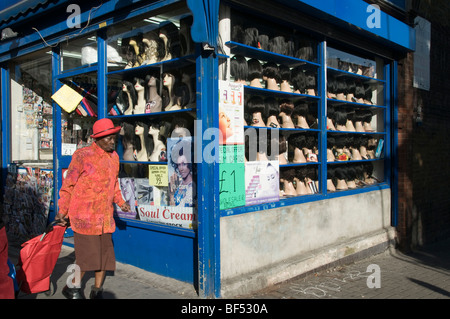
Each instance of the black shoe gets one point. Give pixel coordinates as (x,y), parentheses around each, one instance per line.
(72,293)
(96,293)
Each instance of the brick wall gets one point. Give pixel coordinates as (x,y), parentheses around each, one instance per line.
(424,148)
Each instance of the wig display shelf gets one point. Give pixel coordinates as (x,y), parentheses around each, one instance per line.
(293,130)
(176,63)
(355,76)
(268,56)
(336,102)
(280,94)
(151,115)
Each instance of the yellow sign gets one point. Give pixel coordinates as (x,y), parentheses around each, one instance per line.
(158,175)
(67,98)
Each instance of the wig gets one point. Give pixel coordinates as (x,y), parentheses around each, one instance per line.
(271,71)
(287,107)
(285,73)
(340,116)
(255,70)
(239,68)
(271,106)
(298,79)
(277,45)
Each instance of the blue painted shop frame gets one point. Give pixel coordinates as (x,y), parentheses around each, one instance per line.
(194,256)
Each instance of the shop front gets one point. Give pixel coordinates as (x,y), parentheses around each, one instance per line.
(257,141)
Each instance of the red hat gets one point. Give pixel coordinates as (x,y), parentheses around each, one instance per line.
(104,127)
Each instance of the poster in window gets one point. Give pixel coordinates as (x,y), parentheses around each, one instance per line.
(262,182)
(231,112)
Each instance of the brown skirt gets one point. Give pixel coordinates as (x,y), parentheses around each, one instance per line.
(94,252)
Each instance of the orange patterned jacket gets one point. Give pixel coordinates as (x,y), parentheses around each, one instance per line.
(89,190)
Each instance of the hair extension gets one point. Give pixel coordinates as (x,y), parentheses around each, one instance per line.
(263,42)
(255,70)
(251,37)
(239,68)
(277,45)
(305,50)
(237,34)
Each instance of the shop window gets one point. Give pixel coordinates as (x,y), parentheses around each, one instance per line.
(152,95)
(338,136)
(79,52)
(31,109)
(76,126)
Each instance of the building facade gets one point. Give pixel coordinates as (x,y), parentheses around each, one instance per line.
(290,117)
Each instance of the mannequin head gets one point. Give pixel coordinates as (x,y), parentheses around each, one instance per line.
(298,80)
(285,76)
(300,113)
(256,107)
(340,119)
(254,72)
(272,109)
(271,74)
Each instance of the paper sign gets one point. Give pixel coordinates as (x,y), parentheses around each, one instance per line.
(67,98)
(158,175)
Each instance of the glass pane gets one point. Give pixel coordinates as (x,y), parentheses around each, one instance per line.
(149,39)
(31,108)
(77,125)
(78,52)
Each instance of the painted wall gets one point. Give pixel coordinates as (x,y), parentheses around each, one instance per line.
(254,244)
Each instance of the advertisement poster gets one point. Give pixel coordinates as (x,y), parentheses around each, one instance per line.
(231,178)
(231,112)
(262,182)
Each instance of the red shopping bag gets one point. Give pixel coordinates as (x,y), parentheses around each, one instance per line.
(38,258)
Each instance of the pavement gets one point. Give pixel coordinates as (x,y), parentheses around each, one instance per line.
(421,274)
